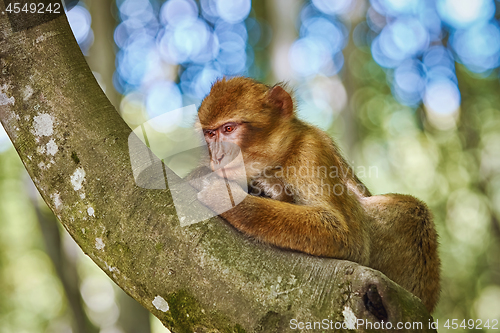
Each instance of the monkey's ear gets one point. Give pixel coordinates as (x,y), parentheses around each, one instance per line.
(281,100)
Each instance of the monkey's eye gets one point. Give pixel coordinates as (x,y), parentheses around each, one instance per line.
(229,128)
(210,133)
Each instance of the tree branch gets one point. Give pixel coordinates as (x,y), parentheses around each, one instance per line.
(206,276)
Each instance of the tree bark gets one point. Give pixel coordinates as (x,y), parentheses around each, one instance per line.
(101,59)
(102,53)
(206,277)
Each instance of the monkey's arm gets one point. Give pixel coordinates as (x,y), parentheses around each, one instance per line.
(321,231)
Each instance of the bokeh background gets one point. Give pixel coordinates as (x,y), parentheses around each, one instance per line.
(408,88)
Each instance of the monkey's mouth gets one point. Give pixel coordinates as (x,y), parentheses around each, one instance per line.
(231,172)
(229,169)
(225,168)
(230,166)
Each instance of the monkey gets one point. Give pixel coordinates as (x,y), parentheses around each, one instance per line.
(302,194)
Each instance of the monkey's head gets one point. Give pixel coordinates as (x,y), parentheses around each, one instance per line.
(242,114)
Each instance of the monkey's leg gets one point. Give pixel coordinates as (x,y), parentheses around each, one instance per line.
(321,231)
(404,244)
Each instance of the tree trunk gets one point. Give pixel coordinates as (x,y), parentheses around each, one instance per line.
(102,53)
(101,59)
(206,277)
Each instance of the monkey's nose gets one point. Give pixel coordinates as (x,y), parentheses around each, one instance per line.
(221,158)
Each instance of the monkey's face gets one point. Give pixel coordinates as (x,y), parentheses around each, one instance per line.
(242,115)
(224,148)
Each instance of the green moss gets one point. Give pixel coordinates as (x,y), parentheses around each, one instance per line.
(159,247)
(75,158)
(186,315)
(272,322)
(122,248)
(239,329)
(118,250)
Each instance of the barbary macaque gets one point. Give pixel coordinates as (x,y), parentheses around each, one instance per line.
(303,195)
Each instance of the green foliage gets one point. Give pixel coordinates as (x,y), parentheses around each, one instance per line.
(32,298)
(454,167)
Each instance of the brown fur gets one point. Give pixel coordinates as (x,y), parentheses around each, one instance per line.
(392,233)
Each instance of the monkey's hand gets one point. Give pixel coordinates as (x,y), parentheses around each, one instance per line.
(220,194)
(197,176)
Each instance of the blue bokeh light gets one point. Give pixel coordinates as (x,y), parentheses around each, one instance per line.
(207,39)
(133,61)
(411,78)
(240,29)
(380,57)
(79,20)
(396,7)
(196,81)
(209,10)
(309,56)
(319,47)
(411,32)
(478,47)
(442,96)
(133,29)
(203,81)
(179,12)
(333,7)
(430,19)
(140,9)
(232,55)
(402,39)
(233,11)
(191,41)
(438,56)
(461,14)
(163,96)
(332,35)
(409,82)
